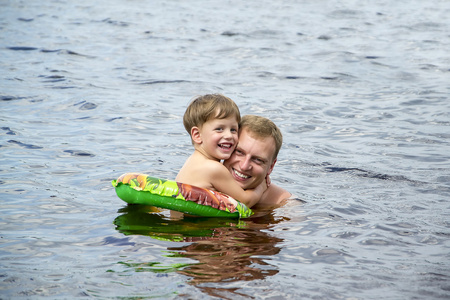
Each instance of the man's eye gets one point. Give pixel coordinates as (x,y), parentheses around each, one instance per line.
(239,152)
(259,161)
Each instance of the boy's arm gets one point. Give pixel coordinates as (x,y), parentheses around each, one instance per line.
(223,182)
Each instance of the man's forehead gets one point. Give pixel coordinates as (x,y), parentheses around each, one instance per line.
(247,138)
(249,134)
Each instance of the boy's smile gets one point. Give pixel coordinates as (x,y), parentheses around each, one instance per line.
(226,145)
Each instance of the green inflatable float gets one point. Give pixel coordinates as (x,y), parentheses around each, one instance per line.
(136,188)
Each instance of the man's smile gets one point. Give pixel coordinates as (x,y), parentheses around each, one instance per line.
(240,175)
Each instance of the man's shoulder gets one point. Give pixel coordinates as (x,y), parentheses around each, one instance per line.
(278,194)
(274,196)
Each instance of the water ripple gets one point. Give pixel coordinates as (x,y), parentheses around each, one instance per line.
(24,145)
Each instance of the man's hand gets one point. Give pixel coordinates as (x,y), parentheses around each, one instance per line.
(268,182)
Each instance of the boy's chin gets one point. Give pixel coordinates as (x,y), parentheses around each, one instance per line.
(225,156)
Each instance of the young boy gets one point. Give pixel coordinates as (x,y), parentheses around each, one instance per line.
(213,123)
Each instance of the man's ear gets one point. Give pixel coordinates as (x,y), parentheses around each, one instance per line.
(195,135)
(271,167)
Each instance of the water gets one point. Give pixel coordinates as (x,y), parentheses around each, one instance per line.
(91,90)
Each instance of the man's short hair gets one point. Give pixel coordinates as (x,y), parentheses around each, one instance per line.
(206,107)
(260,127)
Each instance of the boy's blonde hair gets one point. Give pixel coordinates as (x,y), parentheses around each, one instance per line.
(260,127)
(206,107)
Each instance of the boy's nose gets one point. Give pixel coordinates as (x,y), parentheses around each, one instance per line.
(228,134)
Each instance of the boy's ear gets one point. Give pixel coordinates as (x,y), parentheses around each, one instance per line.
(195,135)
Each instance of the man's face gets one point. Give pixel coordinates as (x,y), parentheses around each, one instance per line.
(252,160)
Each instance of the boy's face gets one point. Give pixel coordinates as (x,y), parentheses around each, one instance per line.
(219,137)
(252,160)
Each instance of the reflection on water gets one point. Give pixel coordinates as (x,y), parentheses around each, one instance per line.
(224,250)
(151,221)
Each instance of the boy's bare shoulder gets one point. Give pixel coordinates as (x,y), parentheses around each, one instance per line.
(200,172)
(217,170)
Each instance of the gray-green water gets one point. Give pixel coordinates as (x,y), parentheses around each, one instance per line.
(91,90)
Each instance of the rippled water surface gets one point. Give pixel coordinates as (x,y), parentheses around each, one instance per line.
(93,89)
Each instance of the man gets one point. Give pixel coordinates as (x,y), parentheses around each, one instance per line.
(255,156)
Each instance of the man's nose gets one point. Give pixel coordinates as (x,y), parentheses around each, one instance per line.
(245,164)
